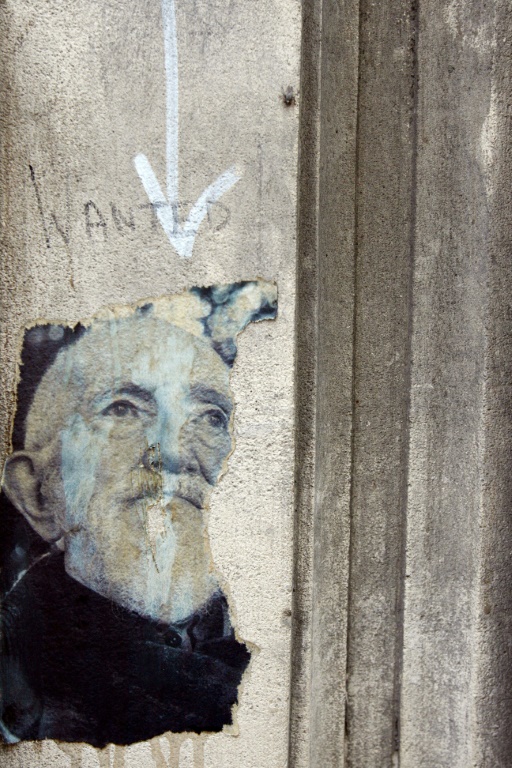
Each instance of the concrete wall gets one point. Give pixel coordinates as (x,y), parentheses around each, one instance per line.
(397,341)
(83,94)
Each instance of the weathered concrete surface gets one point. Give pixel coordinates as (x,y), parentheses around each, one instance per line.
(452,297)
(493,711)
(402,458)
(305,385)
(83,93)
(334,354)
(381,379)
(429,606)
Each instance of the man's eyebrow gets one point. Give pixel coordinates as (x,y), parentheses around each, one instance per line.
(134,390)
(209,395)
(130,390)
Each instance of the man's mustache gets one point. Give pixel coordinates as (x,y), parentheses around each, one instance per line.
(154,487)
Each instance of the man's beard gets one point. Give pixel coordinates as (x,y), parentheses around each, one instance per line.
(139,538)
(150,555)
(150,593)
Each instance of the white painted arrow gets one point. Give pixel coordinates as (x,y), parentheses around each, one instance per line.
(181,237)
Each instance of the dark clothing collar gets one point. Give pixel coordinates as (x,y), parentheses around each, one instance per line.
(78,667)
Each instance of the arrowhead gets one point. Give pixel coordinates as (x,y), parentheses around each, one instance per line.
(182,238)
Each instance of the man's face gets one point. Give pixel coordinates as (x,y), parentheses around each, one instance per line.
(139,453)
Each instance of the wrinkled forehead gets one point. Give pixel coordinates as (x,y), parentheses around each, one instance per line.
(146,351)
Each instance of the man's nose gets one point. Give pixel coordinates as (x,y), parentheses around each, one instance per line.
(168,449)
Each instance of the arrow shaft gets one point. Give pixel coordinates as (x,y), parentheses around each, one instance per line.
(182,238)
(171,75)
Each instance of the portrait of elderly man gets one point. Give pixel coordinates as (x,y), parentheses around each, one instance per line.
(114,626)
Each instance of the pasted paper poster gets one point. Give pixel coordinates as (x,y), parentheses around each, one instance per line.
(115,625)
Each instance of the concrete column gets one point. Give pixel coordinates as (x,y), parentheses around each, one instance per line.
(427,561)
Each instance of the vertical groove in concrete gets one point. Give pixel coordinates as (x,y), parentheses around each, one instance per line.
(335,310)
(305,384)
(384,196)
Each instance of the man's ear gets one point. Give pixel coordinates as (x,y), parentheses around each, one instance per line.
(22,484)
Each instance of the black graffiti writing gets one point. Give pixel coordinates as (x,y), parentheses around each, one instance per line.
(64,232)
(40,205)
(122,222)
(94,221)
(62,229)
(218,215)
(100,221)
(153,208)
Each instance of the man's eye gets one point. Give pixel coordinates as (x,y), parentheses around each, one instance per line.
(216,419)
(121,409)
